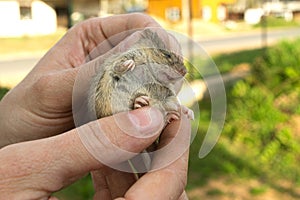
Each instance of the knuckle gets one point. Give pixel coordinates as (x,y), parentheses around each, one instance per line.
(41,84)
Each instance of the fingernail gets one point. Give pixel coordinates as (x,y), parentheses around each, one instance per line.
(192,115)
(147,120)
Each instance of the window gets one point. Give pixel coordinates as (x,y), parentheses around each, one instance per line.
(25,12)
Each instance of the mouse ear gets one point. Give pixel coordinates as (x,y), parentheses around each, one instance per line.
(152,39)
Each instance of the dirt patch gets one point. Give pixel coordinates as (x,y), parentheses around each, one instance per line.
(287,102)
(295,124)
(242,189)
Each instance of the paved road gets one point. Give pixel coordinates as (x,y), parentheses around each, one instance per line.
(247,40)
(14,70)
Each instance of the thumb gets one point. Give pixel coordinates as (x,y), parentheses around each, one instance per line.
(117,138)
(50,164)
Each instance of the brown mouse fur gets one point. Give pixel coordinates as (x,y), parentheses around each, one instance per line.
(143,75)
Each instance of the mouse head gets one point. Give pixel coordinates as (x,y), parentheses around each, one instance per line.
(173,60)
(157,52)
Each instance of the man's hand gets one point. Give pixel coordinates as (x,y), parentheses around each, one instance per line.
(41,105)
(36,169)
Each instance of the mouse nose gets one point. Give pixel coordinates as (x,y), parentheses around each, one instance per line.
(182,70)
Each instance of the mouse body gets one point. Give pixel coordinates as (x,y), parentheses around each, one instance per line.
(144,75)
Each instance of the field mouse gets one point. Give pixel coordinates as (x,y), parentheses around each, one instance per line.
(144,75)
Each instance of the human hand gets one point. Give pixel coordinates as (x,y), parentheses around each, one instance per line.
(41,105)
(36,169)
(167,182)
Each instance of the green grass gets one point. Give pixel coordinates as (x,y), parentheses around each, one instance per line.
(3,91)
(82,189)
(227,61)
(221,161)
(214,192)
(274,22)
(255,191)
(224,62)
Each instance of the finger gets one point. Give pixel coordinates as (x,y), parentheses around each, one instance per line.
(50,106)
(102,190)
(111,183)
(129,23)
(168,182)
(49,91)
(47,165)
(124,23)
(53,198)
(183,196)
(73,49)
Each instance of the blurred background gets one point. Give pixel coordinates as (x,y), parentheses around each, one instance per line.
(253,42)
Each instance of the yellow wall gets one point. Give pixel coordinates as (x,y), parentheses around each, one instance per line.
(158,7)
(213,4)
(196,8)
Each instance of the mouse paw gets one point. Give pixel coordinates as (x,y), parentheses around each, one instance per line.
(129,64)
(124,66)
(141,101)
(172,115)
(188,112)
(172,108)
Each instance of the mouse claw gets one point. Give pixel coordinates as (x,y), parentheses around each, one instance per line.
(124,66)
(141,101)
(188,112)
(129,65)
(172,115)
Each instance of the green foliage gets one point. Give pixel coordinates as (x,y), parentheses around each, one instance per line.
(260,108)
(258,141)
(82,189)
(279,68)
(214,192)
(192,71)
(218,163)
(226,62)
(258,190)
(3,91)
(272,21)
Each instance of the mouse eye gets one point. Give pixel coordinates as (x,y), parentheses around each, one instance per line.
(167,54)
(116,78)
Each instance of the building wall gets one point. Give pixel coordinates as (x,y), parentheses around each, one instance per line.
(196,9)
(215,8)
(36,18)
(87,7)
(199,7)
(158,7)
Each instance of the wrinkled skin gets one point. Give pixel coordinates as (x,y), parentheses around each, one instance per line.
(39,110)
